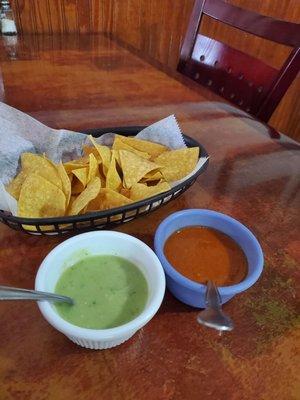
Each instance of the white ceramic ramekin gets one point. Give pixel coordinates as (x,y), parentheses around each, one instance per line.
(92,243)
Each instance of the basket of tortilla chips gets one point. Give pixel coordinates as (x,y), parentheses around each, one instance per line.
(107,186)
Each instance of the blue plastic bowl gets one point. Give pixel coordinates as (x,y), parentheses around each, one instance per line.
(191,292)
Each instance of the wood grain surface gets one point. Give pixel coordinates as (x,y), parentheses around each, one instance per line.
(156,27)
(85,81)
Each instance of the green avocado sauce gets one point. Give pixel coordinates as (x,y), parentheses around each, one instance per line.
(108,291)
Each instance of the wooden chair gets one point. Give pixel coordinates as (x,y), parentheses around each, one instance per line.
(240,78)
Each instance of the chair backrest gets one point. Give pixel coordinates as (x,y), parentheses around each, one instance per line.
(240,78)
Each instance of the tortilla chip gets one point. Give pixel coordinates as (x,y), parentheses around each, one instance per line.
(125,192)
(154,149)
(116,155)
(141,191)
(76,164)
(93,167)
(178,163)
(104,153)
(39,198)
(120,145)
(152,176)
(87,150)
(32,163)
(76,187)
(134,167)
(113,199)
(107,199)
(14,187)
(72,199)
(90,192)
(66,183)
(113,180)
(82,175)
(79,181)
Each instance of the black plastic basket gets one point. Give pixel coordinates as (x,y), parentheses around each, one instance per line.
(108,218)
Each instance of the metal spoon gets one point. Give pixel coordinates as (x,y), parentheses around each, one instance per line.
(213,316)
(12,293)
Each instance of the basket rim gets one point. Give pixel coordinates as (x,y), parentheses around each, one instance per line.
(127,130)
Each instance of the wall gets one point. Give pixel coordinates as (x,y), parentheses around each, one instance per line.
(157,28)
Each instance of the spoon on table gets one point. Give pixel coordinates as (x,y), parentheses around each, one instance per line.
(12,293)
(213,316)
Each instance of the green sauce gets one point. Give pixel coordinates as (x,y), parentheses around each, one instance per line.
(109,291)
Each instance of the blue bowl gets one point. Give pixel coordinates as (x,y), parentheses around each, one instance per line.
(191,292)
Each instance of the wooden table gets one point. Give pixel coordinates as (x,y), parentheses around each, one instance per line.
(85,82)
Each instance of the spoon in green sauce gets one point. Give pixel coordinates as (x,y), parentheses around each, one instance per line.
(12,293)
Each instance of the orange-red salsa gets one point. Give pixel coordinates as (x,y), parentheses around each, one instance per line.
(203,254)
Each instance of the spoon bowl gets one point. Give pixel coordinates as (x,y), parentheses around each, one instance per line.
(215,319)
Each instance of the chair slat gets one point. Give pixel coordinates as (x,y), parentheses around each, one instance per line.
(279,31)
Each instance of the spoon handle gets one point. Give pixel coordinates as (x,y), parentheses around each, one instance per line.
(213,298)
(12,293)
(213,316)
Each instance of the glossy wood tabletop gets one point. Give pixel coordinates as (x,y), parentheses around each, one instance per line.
(86,82)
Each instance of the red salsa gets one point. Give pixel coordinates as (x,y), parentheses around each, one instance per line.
(203,254)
